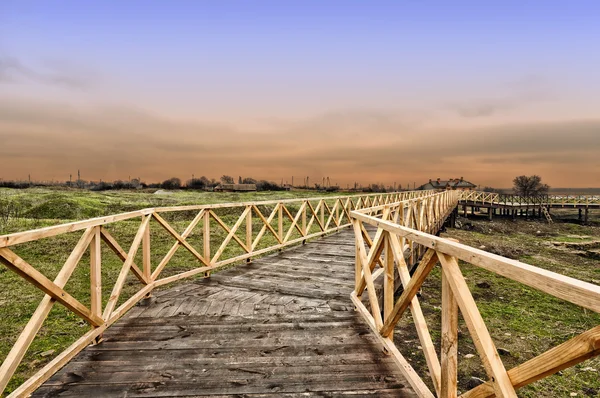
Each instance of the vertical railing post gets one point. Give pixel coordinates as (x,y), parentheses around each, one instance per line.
(147,267)
(357,260)
(206,238)
(249,231)
(304,231)
(323,213)
(280,220)
(449,349)
(388,281)
(96,274)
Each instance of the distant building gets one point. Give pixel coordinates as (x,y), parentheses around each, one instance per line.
(451,184)
(235,187)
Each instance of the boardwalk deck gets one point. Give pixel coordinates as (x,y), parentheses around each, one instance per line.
(281,326)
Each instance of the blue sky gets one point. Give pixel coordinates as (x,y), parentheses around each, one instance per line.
(393,72)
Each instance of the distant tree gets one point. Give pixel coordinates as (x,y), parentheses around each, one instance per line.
(171,183)
(196,183)
(239,179)
(248,180)
(225,179)
(529,186)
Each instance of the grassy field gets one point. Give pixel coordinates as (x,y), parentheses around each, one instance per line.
(521,320)
(35,208)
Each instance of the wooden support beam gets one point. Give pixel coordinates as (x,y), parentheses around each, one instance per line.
(449,348)
(231,231)
(267,225)
(17,352)
(146,254)
(565,355)
(116,292)
(481,338)
(280,222)
(405,368)
(112,243)
(206,234)
(39,280)
(249,229)
(231,235)
(176,246)
(96,273)
(388,281)
(424,268)
(433,362)
(368,278)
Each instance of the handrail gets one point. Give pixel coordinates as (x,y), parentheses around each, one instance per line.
(289,222)
(535,200)
(392,239)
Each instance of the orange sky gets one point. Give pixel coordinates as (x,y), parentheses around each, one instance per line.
(51,141)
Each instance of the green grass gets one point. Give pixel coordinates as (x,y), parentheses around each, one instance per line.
(43,207)
(520,319)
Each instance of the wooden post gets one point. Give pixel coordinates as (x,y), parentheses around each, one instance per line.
(206,239)
(586,216)
(449,349)
(280,220)
(323,212)
(580,214)
(304,231)
(147,268)
(357,264)
(388,282)
(249,232)
(465,210)
(96,273)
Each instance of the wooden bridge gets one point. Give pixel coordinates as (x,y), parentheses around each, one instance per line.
(514,205)
(304,320)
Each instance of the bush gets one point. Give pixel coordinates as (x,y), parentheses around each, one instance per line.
(264,185)
(196,183)
(171,183)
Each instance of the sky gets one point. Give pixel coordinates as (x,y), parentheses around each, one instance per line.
(366,92)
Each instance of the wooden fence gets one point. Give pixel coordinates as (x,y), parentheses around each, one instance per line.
(284,222)
(399,227)
(540,200)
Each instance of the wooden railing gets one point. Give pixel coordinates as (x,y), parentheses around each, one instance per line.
(388,250)
(519,200)
(280,223)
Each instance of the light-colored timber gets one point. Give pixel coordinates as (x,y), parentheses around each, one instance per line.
(326,215)
(413,228)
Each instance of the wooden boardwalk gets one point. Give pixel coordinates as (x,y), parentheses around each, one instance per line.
(282,326)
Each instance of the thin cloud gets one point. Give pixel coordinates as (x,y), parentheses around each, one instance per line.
(13,70)
(522,92)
